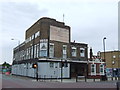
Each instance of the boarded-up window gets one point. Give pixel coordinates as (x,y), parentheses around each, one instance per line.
(59,34)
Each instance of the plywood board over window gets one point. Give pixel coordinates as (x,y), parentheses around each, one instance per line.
(59,34)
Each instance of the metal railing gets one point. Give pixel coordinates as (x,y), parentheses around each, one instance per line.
(84,78)
(47,78)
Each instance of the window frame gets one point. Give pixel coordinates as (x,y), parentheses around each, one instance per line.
(93,68)
(101,73)
(64,51)
(51,54)
(82,54)
(41,50)
(75,52)
(51,64)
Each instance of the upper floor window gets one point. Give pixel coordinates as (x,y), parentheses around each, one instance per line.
(51,50)
(82,52)
(31,51)
(64,51)
(74,52)
(32,37)
(93,69)
(37,50)
(27,53)
(35,47)
(101,69)
(37,34)
(43,49)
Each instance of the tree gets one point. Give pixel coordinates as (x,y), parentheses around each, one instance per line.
(5,65)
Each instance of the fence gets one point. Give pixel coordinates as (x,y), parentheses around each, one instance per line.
(83,78)
(77,79)
(47,78)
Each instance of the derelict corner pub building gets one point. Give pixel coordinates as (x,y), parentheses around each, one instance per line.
(48,44)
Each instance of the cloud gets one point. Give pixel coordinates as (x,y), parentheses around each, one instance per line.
(19,16)
(16,18)
(90,20)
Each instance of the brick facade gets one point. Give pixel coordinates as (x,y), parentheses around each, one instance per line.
(50,39)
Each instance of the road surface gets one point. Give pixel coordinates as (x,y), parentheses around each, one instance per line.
(9,81)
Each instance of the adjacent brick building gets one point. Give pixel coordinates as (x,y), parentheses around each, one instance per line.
(96,66)
(112,59)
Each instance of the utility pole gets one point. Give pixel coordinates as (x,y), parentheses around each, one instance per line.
(61,70)
(18,54)
(118,65)
(63,17)
(104,46)
(35,66)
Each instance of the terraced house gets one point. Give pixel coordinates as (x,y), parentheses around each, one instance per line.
(48,45)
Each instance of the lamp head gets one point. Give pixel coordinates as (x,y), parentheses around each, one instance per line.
(12,39)
(104,38)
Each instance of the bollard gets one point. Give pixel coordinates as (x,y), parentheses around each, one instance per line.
(112,78)
(106,78)
(100,78)
(118,85)
(94,79)
(56,78)
(76,78)
(51,78)
(39,77)
(85,79)
(44,77)
(118,77)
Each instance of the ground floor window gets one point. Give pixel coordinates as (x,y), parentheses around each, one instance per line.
(51,65)
(101,69)
(93,69)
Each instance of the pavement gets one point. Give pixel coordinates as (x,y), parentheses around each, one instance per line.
(72,80)
(10,81)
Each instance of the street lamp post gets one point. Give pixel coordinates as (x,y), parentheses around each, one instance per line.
(18,47)
(61,70)
(18,51)
(104,46)
(18,41)
(118,66)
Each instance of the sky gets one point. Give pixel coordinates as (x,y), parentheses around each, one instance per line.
(90,22)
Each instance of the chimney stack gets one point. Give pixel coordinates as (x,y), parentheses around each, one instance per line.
(91,54)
